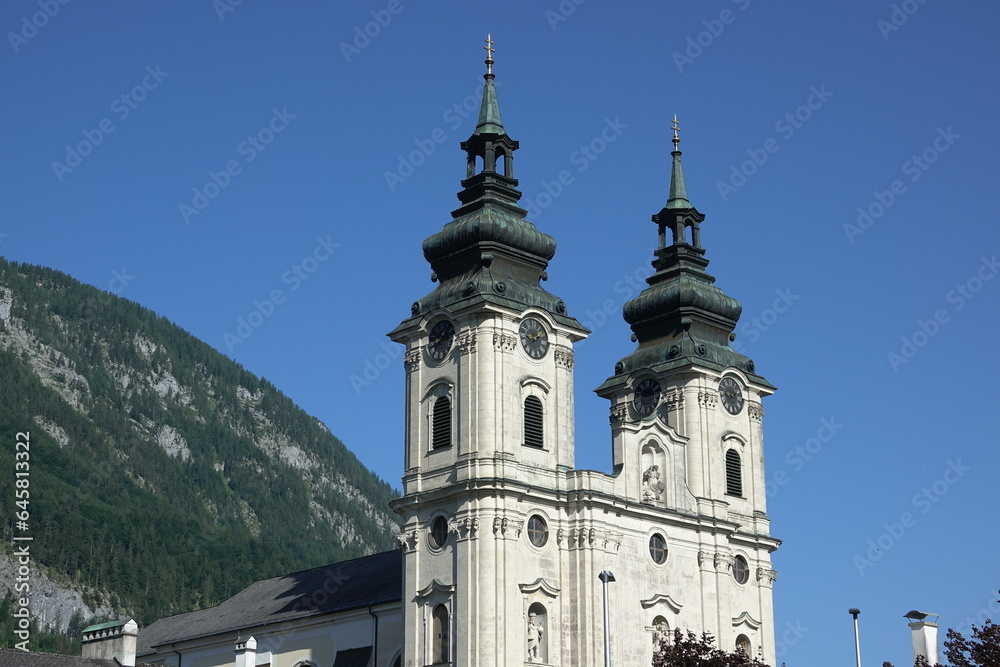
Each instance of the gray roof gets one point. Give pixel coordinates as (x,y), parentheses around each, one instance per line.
(13,658)
(343,586)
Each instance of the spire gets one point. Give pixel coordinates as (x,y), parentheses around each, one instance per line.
(489,110)
(678,192)
(681,317)
(490,252)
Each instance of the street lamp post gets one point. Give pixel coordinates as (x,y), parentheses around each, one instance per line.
(857,640)
(606,577)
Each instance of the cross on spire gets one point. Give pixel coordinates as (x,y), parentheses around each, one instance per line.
(489,53)
(676,128)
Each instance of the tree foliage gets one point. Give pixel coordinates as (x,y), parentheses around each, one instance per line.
(690,650)
(101,384)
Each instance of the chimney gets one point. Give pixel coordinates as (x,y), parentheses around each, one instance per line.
(246,652)
(112,641)
(924,634)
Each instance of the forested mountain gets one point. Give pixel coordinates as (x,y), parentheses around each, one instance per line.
(163,476)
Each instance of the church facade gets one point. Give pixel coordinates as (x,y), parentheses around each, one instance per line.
(504,542)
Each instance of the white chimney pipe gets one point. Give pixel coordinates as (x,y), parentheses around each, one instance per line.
(924,635)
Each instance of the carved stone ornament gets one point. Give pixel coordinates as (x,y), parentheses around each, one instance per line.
(755,411)
(409,540)
(467,343)
(701,557)
(723,561)
(507,529)
(560,536)
(564,357)
(465,528)
(708,399)
(652,486)
(618,413)
(766,576)
(411,361)
(674,400)
(504,343)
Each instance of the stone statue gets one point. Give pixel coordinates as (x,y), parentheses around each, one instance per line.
(535,631)
(661,633)
(652,487)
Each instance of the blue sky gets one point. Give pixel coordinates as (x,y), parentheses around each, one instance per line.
(202,158)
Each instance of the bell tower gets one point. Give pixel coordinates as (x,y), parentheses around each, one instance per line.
(489,420)
(686,421)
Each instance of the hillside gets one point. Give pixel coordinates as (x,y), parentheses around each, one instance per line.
(164,477)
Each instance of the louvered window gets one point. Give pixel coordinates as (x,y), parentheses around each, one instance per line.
(534,434)
(734,474)
(441,423)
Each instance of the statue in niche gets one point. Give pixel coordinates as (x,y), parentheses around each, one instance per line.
(661,632)
(652,487)
(535,631)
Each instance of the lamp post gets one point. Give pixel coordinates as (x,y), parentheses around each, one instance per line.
(605,576)
(857,641)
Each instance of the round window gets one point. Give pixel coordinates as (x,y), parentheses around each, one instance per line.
(538,531)
(439,533)
(741,570)
(658,549)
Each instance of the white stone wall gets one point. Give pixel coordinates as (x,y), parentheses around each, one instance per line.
(488,485)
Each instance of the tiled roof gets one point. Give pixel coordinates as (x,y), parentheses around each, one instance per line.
(14,658)
(350,584)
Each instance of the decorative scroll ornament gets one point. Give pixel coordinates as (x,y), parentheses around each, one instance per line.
(411,361)
(504,342)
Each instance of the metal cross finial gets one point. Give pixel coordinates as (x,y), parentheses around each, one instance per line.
(676,128)
(489,53)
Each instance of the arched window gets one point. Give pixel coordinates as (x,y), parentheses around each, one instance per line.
(441,423)
(734,474)
(441,641)
(534,433)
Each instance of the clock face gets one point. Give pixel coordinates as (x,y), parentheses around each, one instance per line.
(534,338)
(732,395)
(440,340)
(647,396)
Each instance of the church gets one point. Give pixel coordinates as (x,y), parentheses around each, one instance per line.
(509,555)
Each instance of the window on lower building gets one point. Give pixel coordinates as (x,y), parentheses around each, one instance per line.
(734,474)
(441,639)
(534,434)
(441,423)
